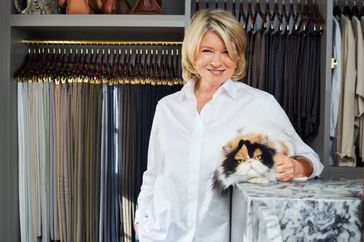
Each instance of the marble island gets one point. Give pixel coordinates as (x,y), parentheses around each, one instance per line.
(315,210)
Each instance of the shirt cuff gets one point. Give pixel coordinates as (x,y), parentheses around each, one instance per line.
(315,161)
(139,216)
(300,179)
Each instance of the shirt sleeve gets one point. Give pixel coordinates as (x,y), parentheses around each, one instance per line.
(149,176)
(279,118)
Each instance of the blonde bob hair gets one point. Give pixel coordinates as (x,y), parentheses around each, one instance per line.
(227,28)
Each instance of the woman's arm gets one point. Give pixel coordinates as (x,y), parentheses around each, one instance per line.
(149,176)
(305,162)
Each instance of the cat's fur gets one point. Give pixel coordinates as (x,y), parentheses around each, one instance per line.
(249,158)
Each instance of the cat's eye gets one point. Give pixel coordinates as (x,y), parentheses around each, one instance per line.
(258,157)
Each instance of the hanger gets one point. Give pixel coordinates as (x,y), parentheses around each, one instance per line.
(362,10)
(24,70)
(141,71)
(146,64)
(355,9)
(112,61)
(123,64)
(197,6)
(163,72)
(347,10)
(251,17)
(317,18)
(278,14)
(71,64)
(285,17)
(153,66)
(134,54)
(119,65)
(337,11)
(269,15)
(234,9)
(170,65)
(260,13)
(158,65)
(243,19)
(175,64)
(306,16)
(292,15)
(138,65)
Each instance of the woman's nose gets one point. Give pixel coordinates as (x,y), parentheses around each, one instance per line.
(216,60)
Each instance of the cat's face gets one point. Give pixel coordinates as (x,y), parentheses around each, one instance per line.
(244,159)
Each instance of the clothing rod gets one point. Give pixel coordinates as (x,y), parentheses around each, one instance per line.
(97,42)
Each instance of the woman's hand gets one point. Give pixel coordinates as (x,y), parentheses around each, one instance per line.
(288,168)
(285,167)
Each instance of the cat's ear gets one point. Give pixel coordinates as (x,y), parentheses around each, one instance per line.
(264,140)
(227,150)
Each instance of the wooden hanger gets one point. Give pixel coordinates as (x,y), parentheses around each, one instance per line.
(362,10)
(355,9)
(243,18)
(337,11)
(347,10)
(234,9)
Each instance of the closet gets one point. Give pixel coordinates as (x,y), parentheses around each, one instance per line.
(167,27)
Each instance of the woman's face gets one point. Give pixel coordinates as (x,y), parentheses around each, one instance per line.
(213,63)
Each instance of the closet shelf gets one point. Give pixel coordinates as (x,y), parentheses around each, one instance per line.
(60,20)
(355,172)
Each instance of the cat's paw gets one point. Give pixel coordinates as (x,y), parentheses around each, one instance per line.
(259,180)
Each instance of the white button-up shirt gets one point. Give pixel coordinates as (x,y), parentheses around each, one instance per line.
(176,202)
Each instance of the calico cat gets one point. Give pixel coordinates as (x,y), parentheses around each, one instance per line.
(248,158)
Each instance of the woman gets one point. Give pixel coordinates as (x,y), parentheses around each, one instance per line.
(190,127)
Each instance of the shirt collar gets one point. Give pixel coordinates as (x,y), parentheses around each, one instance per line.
(187,90)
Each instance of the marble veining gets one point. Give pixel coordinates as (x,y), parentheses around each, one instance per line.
(316,210)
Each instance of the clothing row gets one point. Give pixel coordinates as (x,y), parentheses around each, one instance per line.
(156,65)
(289,16)
(82,152)
(347,92)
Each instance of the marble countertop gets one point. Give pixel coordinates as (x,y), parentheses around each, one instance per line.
(315,210)
(311,189)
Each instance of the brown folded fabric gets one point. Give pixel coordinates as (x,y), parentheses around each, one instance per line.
(147,7)
(77,7)
(109,7)
(124,7)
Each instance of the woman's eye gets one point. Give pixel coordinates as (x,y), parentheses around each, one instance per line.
(206,51)
(258,157)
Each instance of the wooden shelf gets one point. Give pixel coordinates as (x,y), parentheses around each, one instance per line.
(159,21)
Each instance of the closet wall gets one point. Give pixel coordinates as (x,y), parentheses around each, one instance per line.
(170,26)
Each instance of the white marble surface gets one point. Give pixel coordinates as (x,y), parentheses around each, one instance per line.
(316,210)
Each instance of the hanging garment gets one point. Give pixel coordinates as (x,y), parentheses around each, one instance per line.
(345,126)
(335,86)
(359,85)
(24,200)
